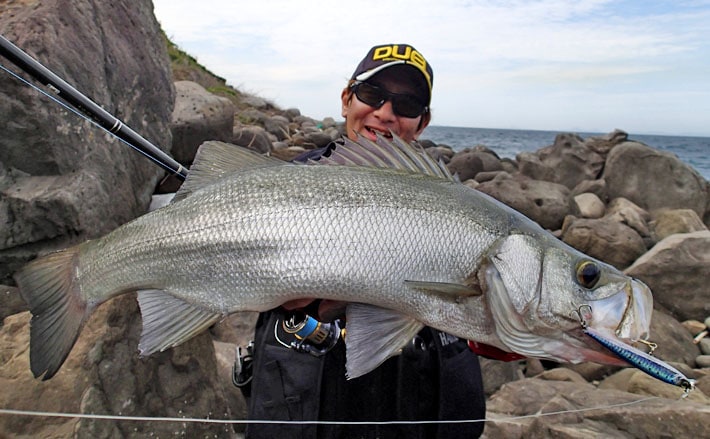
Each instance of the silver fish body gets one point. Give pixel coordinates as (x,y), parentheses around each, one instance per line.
(405,248)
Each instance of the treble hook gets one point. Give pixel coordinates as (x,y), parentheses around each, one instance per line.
(584,312)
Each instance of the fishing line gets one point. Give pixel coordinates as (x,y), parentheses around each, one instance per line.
(264,421)
(70,108)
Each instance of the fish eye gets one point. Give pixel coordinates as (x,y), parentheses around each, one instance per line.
(588,274)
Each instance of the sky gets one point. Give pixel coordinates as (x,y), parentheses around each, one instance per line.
(559,65)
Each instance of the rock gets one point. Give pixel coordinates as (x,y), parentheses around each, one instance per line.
(676,269)
(10,302)
(626,212)
(589,205)
(77,181)
(319,139)
(605,239)
(603,144)
(703,360)
(278,126)
(469,163)
(440,153)
(668,222)
(529,408)
(694,327)
(562,374)
(635,381)
(707,322)
(198,116)
(498,373)
(704,345)
(252,137)
(568,161)
(673,340)
(631,166)
(542,201)
(596,187)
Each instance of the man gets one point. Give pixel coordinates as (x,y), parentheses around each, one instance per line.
(435,378)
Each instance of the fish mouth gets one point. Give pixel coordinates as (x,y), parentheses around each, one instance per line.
(625,318)
(635,320)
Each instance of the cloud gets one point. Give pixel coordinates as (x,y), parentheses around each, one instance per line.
(301,53)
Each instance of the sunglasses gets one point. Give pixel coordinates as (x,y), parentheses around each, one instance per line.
(404,105)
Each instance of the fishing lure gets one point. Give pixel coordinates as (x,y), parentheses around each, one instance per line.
(646,363)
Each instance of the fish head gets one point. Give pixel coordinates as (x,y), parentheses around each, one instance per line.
(542,295)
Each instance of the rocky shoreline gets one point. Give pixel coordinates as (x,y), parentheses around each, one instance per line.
(626,203)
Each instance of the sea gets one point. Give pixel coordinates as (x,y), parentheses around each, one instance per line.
(694,151)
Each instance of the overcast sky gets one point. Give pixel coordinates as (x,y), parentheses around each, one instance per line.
(588,65)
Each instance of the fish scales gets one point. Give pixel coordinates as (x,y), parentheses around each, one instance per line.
(257,239)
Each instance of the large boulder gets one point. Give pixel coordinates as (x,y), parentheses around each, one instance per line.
(467,164)
(605,238)
(63,179)
(568,161)
(677,269)
(198,116)
(545,202)
(654,179)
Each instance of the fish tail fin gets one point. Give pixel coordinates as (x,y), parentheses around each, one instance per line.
(49,286)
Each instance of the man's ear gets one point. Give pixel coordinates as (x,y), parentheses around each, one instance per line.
(423,123)
(345,96)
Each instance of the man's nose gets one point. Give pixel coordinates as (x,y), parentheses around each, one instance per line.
(386,112)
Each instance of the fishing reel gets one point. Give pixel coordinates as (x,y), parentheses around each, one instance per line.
(311,336)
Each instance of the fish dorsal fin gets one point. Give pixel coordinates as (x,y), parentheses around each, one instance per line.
(373,335)
(216,159)
(383,153)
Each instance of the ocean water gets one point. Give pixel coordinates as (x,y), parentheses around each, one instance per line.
(694,151)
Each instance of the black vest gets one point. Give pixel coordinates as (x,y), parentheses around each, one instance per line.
(435,378)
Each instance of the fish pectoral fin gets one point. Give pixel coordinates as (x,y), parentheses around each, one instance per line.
(214,160)
(373,335)
(446,289)
(169,321)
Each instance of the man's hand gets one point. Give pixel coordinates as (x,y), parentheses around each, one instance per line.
(328,310)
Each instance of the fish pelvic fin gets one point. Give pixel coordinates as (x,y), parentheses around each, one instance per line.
(214,160)
(373,335)
(169,321)
(49,286)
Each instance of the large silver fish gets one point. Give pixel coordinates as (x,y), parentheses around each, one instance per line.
(390,232)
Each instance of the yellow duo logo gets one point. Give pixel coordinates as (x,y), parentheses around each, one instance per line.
(386,53)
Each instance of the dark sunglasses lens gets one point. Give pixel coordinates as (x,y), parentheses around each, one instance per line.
(370,95)
(402,105)
(407,106)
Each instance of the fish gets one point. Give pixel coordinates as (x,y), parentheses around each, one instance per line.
(377,224)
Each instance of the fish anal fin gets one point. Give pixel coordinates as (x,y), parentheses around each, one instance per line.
(215,159)
(373,335)
(49,286)
(452,291)
(169,321)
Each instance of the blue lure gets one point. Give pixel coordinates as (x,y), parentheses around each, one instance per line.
(646,363)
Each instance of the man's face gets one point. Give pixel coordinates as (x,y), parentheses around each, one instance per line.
(369,121)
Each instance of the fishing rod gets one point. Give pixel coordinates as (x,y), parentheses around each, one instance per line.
(89,108)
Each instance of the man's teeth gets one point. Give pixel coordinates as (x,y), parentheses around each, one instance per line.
(381,133)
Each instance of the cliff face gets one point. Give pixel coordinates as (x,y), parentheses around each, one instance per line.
(63,180)
(54,164)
